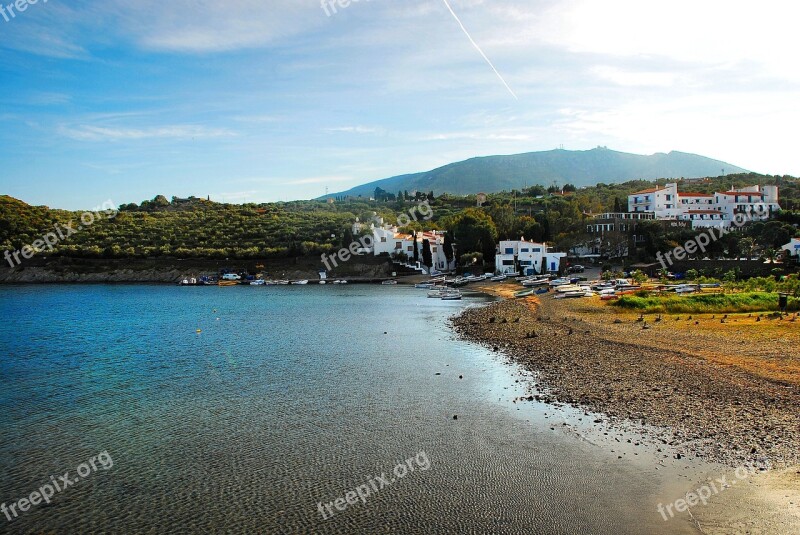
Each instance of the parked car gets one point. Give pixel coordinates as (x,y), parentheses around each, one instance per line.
(576,269)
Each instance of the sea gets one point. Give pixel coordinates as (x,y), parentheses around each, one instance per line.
(158,409)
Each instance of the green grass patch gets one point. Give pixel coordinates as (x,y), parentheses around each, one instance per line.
(706,303)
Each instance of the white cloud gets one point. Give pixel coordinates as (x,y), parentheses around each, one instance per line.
(636,78)
(356,129)
(709,31)
(198,26)
(101,133)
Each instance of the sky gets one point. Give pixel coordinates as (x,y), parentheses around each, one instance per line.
(277,100)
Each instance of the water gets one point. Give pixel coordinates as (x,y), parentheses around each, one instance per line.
(287,397)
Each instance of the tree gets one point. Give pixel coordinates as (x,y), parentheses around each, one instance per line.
(528,228)
(503,217)
(448,247)
(347,237)
(427,256)
(416,247)
(474,232)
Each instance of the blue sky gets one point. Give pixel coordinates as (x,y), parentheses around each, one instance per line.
(266,100)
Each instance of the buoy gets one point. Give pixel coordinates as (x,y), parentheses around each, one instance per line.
(199,331)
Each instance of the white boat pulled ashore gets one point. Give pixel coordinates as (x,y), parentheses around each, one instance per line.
(532,283)
(300,282)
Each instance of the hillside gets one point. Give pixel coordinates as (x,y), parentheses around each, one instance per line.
(195,228)
(582,168)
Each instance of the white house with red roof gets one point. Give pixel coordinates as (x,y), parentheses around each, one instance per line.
(389,240)
(703,209)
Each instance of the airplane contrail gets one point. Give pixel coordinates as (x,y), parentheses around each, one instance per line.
(471,40)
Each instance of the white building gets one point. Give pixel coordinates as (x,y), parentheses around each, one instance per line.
(530,257)
(389,240)
(706,210)
(794,248)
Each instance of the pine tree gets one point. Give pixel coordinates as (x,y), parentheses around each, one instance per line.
(427,256)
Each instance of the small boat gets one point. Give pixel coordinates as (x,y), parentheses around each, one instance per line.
(542,291)
(534,282)
(228,283)
(448,294)
(424,285)
(526,293)
(687,289)
(390,282)
(282,283)
(498,278)
(300,282)
(340,282)
(559,282)
(435,294)
(573,293)
(258,283)
(188,282)
(323,282)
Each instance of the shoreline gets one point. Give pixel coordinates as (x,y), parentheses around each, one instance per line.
(711,402)
(167,270)
(708,401)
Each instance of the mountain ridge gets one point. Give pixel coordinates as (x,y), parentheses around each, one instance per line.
(490,174)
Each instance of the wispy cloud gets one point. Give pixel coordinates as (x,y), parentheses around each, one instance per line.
(356,129)
(100,133)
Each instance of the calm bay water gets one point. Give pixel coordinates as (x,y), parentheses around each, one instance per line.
(287,397)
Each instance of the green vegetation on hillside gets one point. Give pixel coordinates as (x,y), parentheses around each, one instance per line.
(197,228)
(706,303)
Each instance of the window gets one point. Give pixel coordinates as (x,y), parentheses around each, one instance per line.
(398,245)
(537,249)
(410,248)
(509,250)
(383,239)
(508,262)
(525,250)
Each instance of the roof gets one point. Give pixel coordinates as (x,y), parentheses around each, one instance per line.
(652,190)
(695,195)
(748,193)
